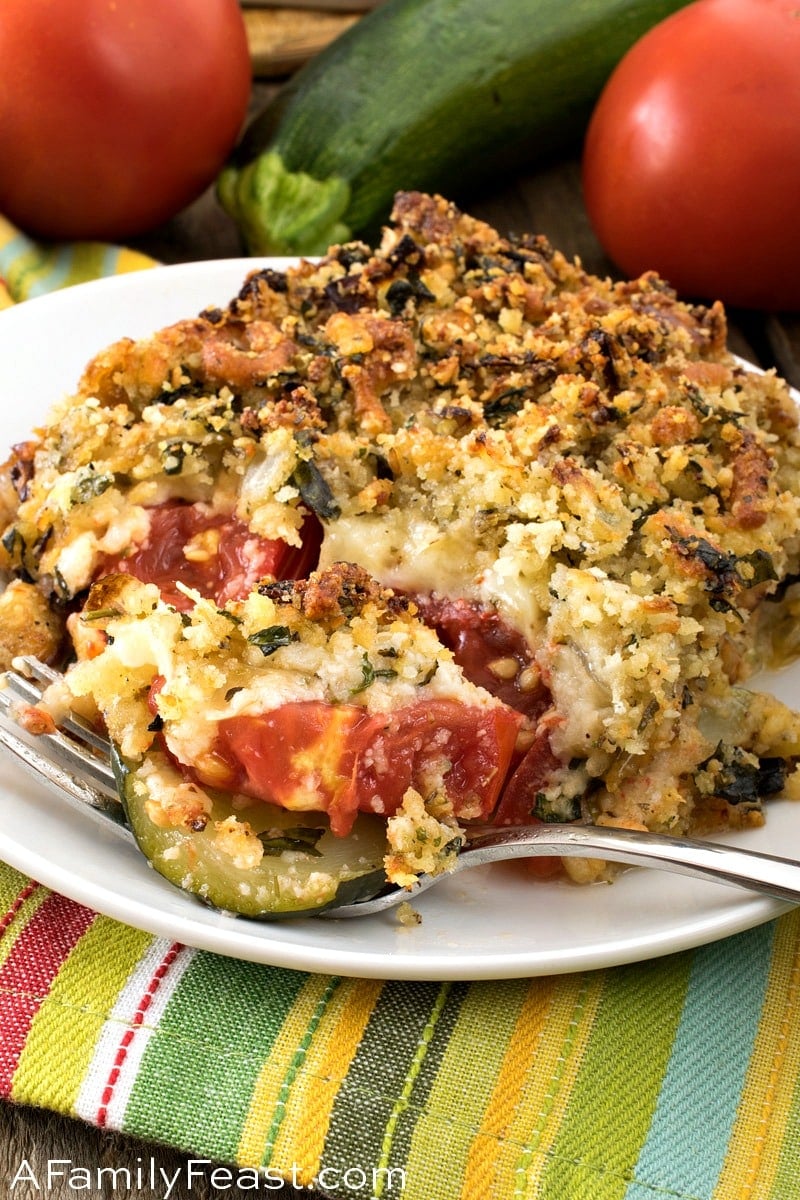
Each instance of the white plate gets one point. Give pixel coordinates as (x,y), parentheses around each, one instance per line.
(485,924)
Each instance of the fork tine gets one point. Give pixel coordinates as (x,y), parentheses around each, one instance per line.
(38,669)
(75,746)
(74,786)
(65,753)
(30,687)
(74,760)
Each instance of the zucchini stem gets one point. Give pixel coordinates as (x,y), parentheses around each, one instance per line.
(284,212)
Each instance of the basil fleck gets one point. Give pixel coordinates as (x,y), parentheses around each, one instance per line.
(314,491)
(302,839)
(88,485)
(272,638)
(173,454)
(369,674)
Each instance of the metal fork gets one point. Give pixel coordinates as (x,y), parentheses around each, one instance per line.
(75,762)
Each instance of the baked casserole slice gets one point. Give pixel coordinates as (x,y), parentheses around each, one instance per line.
(513,538)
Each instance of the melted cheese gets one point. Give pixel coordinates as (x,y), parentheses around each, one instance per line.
(404,551)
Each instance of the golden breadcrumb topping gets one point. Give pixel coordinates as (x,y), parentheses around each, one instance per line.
(463,418)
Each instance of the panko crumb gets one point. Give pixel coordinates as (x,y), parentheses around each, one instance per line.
(419,843)
(237,839)
(407,916)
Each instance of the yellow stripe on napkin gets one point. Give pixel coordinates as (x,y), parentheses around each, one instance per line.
(29,268)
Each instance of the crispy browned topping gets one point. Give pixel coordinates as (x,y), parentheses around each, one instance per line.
(474,415)
(335,595)
(28,625)
(749,494)
(297,410)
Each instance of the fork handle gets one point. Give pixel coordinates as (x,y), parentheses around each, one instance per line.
(766,873)
(778,878)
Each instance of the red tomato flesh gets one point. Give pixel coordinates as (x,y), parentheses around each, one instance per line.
(692,158)
(340,759)
(479,638)
(231,558)
(531,775)
(313,756)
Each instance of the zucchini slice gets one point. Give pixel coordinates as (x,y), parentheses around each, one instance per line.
(304,868)
(422,94)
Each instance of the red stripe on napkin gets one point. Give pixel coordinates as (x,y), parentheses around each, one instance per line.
(28,973)
(129,1034)
(19,899)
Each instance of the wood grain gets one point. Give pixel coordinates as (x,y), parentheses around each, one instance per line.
(549,202)
(319,5)
(282,39)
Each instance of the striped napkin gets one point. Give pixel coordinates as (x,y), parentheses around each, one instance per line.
(29,269)
(676,1079)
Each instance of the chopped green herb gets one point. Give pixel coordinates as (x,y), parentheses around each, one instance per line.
(556,809)
(42,542)
(650,710)
(99,614)
(314,491)
(13,542)
(273,638)
(772,774)
(89,485)
(737,781)
(763,567)
(62,588)
(725,576)
(173,454)
(429,674)
(301,839)
(697,402)
(740,780)
(505,405)
(402,290)
(369,674)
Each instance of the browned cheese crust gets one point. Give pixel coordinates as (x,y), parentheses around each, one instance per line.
(477,417)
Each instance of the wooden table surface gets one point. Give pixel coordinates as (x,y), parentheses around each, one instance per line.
(549,202)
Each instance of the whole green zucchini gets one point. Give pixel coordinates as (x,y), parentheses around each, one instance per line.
(433,95)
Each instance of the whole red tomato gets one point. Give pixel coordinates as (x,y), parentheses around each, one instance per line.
(692,157)
(114,114)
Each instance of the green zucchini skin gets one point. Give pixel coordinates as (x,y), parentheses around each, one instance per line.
(284,884)
(433,95)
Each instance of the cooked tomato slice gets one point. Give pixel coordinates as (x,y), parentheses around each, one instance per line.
(214,554)
(532,775)
(496,657)
(490,653)
(471,747)
(340,759)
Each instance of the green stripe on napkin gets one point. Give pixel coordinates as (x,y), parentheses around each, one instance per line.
(632,1033)
(230,1010)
